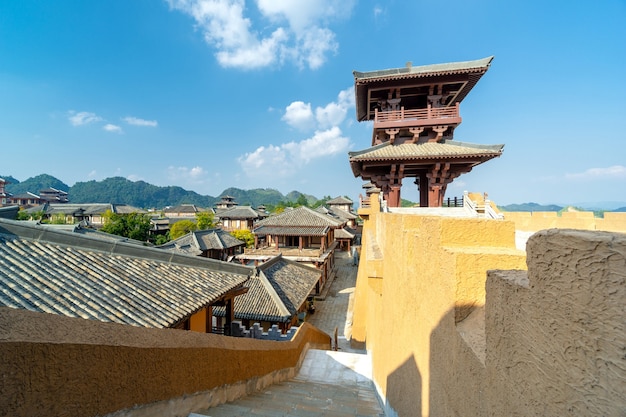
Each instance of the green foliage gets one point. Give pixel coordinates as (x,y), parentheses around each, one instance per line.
(162,239)
(58,218)
(24,215)
(120,190)
(205,220)
(35,184)
(132,225)
(245,236)
(302,201)
(321,202)
(181,228)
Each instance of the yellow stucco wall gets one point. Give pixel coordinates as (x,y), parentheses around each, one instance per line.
(424,270)
(59,366)
(420,310)
(583,220)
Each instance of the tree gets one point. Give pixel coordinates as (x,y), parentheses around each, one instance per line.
(245,236)
(24,215)
(302,201)
(132,225)
(205,220)
(181,228)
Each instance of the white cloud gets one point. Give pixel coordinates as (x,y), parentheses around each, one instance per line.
(134,178)
(112,128)
(323,143)
(299,115)
(612,172)
(82,118)
(298,30)
(279,161)
(135,121)
(195,174)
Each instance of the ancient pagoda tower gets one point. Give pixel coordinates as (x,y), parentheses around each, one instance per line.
(415,111)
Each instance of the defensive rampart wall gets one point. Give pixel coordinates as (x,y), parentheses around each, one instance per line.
(60,366)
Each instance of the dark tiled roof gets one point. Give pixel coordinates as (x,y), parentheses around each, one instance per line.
(183,208)
(71,208)
(276,292)
(239,212)
(336,213)
(9,212)
(201,240)
(345,233)
(339,200)
(292,230)
(59,272)
(299,217)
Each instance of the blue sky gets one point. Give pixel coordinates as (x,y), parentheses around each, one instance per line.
(208,95)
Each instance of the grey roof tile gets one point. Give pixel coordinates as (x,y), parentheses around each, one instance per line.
(201,240)
(299,217)
(276,292)
(446,148)
(425,70)
(62,273)
(239,212)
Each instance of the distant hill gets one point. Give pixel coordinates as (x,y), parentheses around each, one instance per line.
(34,184)
(141,194)
(530,207)
(120,190)
(621,209)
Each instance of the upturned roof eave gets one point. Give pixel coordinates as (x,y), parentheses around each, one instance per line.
(433,70)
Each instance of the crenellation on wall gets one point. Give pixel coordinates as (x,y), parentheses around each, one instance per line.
(555,347)
(488,337)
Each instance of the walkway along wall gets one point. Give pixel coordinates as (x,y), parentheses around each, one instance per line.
(584,220)
(437,348)
(54,365)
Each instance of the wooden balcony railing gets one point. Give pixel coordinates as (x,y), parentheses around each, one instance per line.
(425,116)
(285,251)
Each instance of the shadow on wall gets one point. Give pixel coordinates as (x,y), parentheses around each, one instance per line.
(404,388)
(457,374)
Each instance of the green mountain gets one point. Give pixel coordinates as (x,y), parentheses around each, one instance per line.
(530,207)
(34,184)
(255,197)
(140,194)
(120,190)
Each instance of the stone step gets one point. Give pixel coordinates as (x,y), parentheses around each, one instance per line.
(301,398)
(329,384)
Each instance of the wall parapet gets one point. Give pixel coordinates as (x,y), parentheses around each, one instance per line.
(55,365)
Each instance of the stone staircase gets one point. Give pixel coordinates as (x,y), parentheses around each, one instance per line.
(329,384)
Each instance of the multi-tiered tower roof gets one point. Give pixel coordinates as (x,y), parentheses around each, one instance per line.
(415,111)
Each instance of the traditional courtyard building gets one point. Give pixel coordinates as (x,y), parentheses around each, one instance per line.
(240,218)
(53,195)
(415,111)
(92,214)
(4,195)
(225,203)
(278,295)
(302,235)
(210,243)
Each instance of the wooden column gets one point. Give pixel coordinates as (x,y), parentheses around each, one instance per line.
(230,314)
(209,319)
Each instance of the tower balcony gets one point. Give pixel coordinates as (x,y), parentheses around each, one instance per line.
(430,116)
